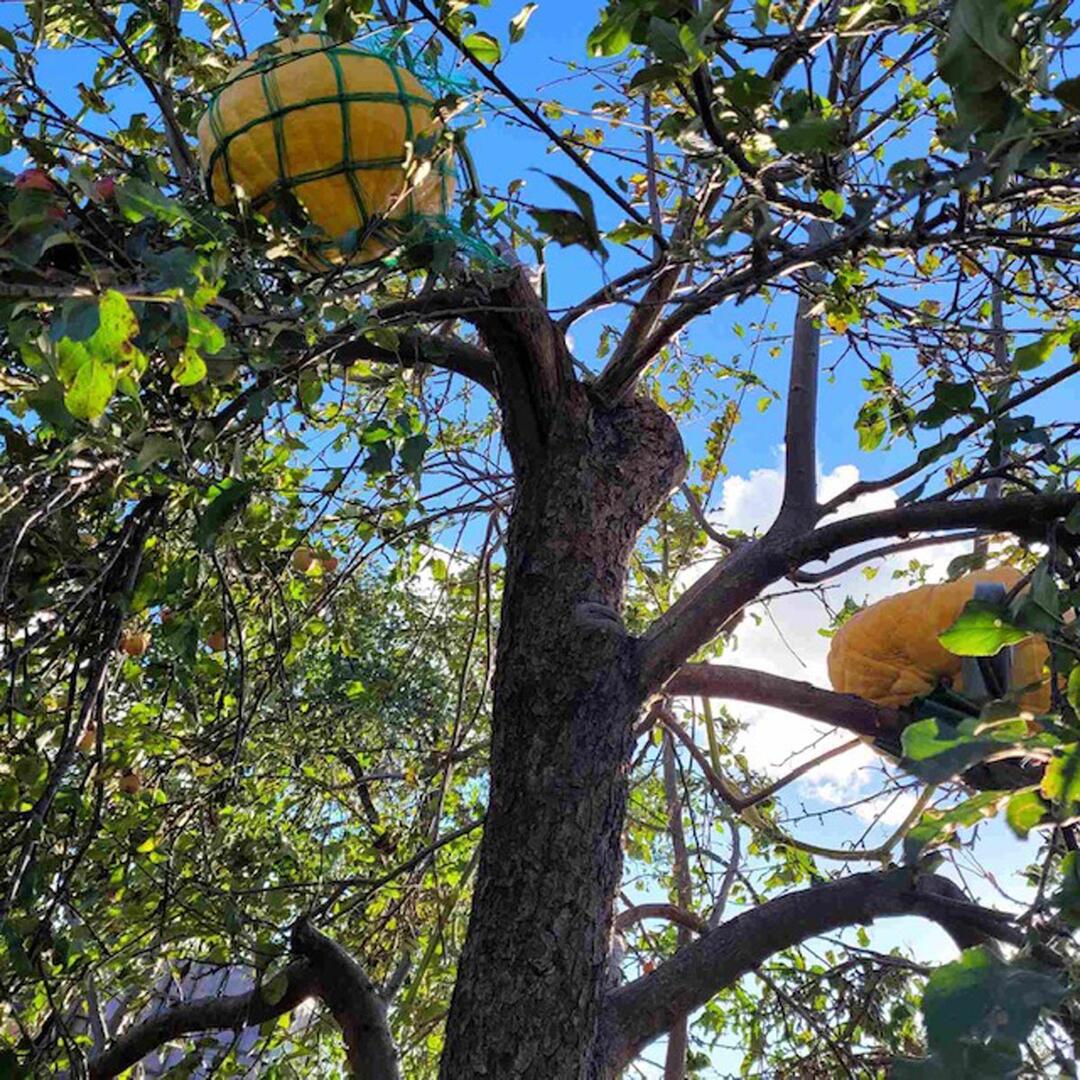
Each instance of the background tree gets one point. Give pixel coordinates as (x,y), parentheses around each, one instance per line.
(360,631)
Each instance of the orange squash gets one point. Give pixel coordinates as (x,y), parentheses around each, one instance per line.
(330,126)
(889,652)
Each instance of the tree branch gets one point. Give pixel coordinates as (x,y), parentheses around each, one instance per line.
(1027,516)
(671,912)
(181,153)
(852,713)
(358,1008)
(727,791)
(706,606)
(678,1036)
(532,363)
(641,1011)
(415,348)
(815,577)
(325,970)
(799,507)
(865,487)
(621,373)
(855,714)
(204,1014)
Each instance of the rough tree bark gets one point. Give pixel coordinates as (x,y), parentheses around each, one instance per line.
(566,696)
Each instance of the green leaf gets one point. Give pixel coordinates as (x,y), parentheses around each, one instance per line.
(1068,93)
(1061,781)
(980,60)
(1038,352)
(665,42)
(155,448)
(520,21)
(651,75)
(935,751)
(582,199)
(229,497)
(94,385)
(981,630)
(1072,689)
(935,826)
(1067,897)
(608,38)
(568,228)
(412,451)
(980,51)
(950,399)
(747,89)
(117,324)
(139,200)
(834,202)
(979,997)
(812,133)
(628,232)
(190,368)
(273,990)
(1025,810)
(871,426)
(203,333)
(380,459)
(483,47)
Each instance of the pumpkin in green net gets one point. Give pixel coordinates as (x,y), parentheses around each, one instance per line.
(334,135)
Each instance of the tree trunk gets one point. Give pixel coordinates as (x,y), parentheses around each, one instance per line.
(534,965)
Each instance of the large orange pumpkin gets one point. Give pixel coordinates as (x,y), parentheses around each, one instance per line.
(889,652)
(330,126)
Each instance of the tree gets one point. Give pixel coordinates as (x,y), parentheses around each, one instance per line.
(345,611)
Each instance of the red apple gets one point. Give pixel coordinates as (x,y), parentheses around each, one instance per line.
(130,782)
(39,180)
(103,189)
(36,179)
(135,642)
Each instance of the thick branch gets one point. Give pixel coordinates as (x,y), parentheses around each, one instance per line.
(528,354)
(854,714)
(356,1004)
(641,1011)
(532,362)
(698,614)
(1027,516)
(205,1014)
(799,506)
(847,711)
(325,970)
(415,348)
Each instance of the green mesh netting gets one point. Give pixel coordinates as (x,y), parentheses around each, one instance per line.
(390,232)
